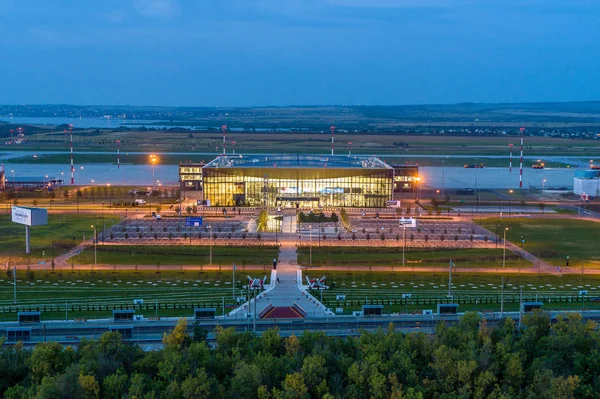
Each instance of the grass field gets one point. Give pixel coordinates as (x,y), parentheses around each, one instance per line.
(471,290)
(304,142)
(385,256)
(100,288)
(554,239)
(178,255)
(62,233)
(87,293)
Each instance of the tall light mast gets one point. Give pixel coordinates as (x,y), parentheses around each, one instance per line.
(332,128)
(224,129)
(522,130)
(118,154)
(72,166)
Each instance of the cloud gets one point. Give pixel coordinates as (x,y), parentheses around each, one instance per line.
(157,8)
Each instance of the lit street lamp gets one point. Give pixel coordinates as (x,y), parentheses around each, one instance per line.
(153,161)
(504,255)
(543,187)
(509,202)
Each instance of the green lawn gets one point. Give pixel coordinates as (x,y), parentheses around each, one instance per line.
(386,256)
(471,290)
(554,239)
(178,255)
(101,288)
(62,233)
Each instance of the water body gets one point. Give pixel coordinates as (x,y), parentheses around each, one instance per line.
(433,177)
(101,174)
(105,123)
(501,178)
(82,123)
(574,161)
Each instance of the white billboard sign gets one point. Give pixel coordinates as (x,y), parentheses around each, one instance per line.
(407,222)
(29,216)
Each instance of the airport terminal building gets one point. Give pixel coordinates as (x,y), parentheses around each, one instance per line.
(297,181)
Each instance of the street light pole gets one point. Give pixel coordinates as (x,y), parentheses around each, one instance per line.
(504,255)
(404,242)
(543,187)
(450,279)
(520,305)
(509,202)
(211,242)
(95,245)
(153,161)
(310,247)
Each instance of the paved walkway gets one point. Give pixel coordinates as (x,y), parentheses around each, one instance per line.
(287,291)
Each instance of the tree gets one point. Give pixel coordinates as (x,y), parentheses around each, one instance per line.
(178,338)
(246,380)
(263,220)
(114,385)
(91,387)
(35,202)
(196,387)
(48,359)
(188,210)
(294,387)
(158,209)
(314,374)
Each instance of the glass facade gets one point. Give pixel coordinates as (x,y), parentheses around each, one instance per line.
(190,176)
(366,184)
(405,177)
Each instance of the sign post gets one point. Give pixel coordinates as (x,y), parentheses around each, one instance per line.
(29,217)
(193,221)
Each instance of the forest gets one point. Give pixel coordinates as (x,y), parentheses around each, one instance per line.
(547,358)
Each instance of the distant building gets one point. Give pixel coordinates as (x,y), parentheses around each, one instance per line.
(190,175)
(587,182)
(405,177)
(297,180)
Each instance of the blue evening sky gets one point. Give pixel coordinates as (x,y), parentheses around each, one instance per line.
(283,52)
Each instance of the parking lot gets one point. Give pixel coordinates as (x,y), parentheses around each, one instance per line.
(388,233)
(175,232)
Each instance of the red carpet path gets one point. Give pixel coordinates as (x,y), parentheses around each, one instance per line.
(283,312)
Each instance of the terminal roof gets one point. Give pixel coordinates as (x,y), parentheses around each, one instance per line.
(298,161)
